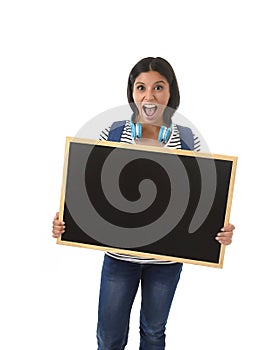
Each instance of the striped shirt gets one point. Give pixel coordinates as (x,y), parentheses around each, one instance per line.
(173,142)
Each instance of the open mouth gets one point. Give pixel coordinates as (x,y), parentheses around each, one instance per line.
(149,109)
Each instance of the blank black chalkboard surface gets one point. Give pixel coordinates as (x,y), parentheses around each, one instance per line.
(153,202)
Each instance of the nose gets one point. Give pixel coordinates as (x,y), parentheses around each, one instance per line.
(149,96)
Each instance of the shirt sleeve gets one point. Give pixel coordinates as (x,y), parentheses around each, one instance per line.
(197,143)
(104,134)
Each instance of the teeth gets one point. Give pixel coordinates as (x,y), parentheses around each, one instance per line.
(149,106)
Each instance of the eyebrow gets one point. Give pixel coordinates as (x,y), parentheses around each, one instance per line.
(157,82)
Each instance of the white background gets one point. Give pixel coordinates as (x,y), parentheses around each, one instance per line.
(63,62)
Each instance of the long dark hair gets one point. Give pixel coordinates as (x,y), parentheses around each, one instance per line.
(163,67)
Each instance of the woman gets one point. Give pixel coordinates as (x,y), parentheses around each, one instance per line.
(154,96)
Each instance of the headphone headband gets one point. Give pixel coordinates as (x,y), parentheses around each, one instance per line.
(163,135)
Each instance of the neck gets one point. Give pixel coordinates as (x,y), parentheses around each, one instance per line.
(150,131)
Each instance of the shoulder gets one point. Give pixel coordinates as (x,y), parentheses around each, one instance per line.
(186,133)
(121,127)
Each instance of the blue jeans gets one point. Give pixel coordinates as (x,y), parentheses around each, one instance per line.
(119,284)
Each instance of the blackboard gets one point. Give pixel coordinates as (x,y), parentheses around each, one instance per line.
(154,202)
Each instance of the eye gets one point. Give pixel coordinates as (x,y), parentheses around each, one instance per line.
(140,87)
(158,87)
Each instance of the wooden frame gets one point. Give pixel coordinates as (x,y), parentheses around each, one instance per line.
(174,216)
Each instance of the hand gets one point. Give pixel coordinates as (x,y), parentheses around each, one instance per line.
(58,227)
(225,235)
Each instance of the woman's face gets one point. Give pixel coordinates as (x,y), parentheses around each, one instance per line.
(151,95)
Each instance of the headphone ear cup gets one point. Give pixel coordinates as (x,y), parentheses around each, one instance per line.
(160,134)
(167,134)
(138,130)
(164,134)
(133,130)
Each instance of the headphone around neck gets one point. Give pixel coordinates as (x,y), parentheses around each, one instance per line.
(163,135)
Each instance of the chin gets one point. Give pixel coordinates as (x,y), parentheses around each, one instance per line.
(155,122)
(155,119)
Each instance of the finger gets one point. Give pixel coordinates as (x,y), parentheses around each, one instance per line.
(225,237)
(57,223)
(228,227)
(58,228)
(56,218)
(225,234)
(57,234)
(224,240)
